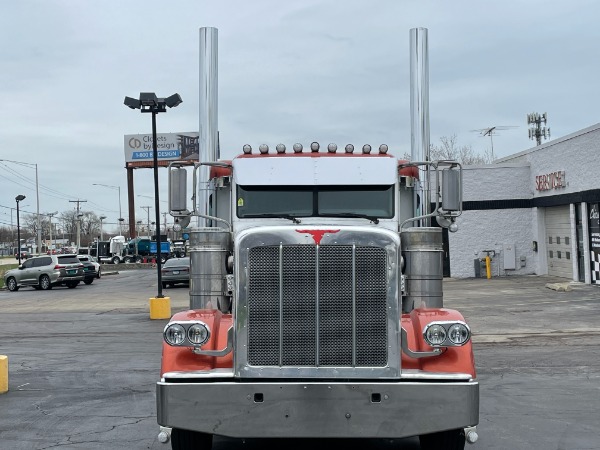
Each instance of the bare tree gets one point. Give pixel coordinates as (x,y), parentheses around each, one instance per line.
(450,150)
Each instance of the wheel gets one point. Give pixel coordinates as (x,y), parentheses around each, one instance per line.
(128,260)
(164,285)
(45,282)
(138,259)
(72,284)
(11,283)
(188,440)
(88,280)
(116,260)
(444,440)
(99,274)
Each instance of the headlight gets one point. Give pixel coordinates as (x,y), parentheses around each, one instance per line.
(458,333)
(174,334)
(435,335)
(446,334)
(198,334)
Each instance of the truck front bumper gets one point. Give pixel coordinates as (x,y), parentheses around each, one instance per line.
(253,409)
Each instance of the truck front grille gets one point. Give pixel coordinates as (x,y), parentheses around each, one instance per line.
(317,306)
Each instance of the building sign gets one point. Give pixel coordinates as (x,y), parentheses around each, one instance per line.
(170,146)
(550,181)
(594,209)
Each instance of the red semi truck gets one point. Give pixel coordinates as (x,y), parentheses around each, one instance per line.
(316,299)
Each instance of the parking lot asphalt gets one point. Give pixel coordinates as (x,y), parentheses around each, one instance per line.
(83,364)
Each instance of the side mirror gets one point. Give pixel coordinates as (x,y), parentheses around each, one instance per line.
(177,189)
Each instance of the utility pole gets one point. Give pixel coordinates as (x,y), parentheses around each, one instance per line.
(147,208)
(78,219)
(536,131)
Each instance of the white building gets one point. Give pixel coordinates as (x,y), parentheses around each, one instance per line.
(534,212)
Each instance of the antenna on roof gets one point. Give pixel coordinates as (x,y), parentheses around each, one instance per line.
(536,131)
(493,131)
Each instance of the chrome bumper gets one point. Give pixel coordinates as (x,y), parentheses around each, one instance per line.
(392,409)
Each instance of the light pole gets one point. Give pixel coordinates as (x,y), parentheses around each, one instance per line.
(19,198)
(150,103)
(101,234)
(37,196)
(79,216)
(50,220)
(118,188)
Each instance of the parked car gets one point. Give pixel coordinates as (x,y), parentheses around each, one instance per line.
(91,268)
(24,255)
(45,272)
(175,270)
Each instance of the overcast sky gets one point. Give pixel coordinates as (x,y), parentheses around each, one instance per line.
(289,71)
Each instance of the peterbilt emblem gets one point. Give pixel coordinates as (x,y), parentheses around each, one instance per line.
(317,235)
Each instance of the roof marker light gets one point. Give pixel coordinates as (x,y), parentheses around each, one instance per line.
(280,148)
(314,147)
(297,148)
(331,148)
(366,148)
(247,149)
(383,148)
(349,148)
(264,149)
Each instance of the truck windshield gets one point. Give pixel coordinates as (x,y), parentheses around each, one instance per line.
(370,202)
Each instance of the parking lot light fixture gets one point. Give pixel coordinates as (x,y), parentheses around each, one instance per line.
(150,103)
(19,198)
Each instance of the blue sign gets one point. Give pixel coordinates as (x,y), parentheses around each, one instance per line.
(161,154)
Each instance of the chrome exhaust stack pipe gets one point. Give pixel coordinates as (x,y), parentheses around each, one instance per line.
(419,117)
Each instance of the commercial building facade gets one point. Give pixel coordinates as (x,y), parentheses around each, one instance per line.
(534,212)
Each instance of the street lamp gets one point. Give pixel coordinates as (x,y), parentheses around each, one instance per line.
(101,234)
(120,215)
(19,198)
(37,195)
(150,103)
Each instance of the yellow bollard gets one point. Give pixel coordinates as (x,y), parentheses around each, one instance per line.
(488,266)
(160,308)
(3,374)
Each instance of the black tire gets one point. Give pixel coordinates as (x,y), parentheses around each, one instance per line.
(88,280)
(139,259)
(444,440)
(99,274)
(128,260)
(116,260)
(72,284)
(164,285)
(11,284)
(45,282)
(188,440)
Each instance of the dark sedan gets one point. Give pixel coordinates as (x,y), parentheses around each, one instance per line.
(176,270)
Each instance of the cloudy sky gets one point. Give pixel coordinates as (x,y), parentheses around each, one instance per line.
(293,71)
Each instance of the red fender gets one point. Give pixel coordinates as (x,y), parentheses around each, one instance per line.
(175,359)
(453,360)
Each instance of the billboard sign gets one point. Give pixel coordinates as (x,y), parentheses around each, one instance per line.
(170,146)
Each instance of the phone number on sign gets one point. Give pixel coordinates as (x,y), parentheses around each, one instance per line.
(161,154)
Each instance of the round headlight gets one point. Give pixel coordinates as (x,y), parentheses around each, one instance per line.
(458,334)
(331,148)
(280,148)
(263,149)
(297,148)
(314,147)
(435,335)
(247,149)
(174,334)
(198,334)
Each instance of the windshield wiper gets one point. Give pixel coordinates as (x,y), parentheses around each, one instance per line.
(276,216)
(373,219)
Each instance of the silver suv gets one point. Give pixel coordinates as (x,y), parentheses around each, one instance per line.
(44,272)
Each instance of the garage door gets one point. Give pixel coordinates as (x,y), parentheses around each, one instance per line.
(558,242)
